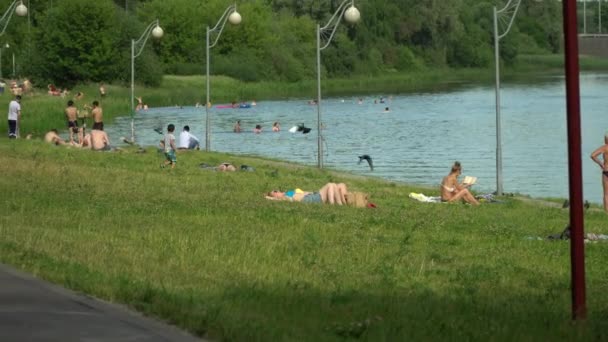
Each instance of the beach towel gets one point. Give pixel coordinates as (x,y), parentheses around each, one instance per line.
(425,199)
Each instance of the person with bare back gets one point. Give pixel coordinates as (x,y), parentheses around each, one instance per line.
(97,114)
(603,150)
(71,115)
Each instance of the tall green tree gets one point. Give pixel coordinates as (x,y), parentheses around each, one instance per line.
(84,41)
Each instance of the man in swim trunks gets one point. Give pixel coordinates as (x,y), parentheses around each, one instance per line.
(603,150)
(71,114)
(97,114)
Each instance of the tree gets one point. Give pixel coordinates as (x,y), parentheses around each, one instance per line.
(84,41)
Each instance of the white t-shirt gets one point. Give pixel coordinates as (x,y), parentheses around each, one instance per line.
(13,109)
(184,139)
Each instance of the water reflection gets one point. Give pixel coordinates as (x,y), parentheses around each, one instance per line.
(421,136)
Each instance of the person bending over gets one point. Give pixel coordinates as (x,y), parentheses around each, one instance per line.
(187,141)
(330,193)
(452,191)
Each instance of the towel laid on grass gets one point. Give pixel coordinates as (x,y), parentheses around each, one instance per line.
(423,198)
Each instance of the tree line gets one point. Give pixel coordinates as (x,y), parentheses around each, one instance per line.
(72,41)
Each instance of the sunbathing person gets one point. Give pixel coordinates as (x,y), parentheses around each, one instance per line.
(330,193)
(99,141)
(452,191)
(226,167)
(54,138)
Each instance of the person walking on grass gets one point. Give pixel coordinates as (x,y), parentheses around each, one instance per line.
(14,116)
(603,150)
(169,143)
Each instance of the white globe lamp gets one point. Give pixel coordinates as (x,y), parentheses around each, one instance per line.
(157,32)
(352,15)
(21,10)
(235,18)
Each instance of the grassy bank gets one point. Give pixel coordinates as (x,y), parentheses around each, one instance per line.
(43,112)
(205,251)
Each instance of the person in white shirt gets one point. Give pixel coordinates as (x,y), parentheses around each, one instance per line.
(188,141)
(14,115)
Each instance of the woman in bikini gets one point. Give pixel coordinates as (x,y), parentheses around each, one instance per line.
(452,191)
(330,193)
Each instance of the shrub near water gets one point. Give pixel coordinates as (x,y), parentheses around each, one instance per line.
(205,251)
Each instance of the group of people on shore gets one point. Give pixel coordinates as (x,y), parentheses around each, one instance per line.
(97,139)
(276,127)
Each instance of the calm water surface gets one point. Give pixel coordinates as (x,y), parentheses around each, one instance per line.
(421,136)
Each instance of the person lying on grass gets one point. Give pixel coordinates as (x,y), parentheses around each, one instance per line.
(452,191)
(330,193)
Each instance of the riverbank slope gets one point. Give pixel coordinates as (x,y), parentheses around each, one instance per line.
(43,112)
(204,250)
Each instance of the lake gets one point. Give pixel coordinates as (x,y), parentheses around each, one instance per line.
(421,136)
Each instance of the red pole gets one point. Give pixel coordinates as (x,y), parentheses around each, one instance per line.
(577,246)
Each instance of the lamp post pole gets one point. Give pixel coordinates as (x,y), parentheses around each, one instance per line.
(231,15)
(585,16)
(510,9)
(351,15)
(16,6)
(137,46)
(2,47)
(599,16)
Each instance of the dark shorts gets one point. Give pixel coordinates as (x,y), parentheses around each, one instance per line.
(73,125)
(315,197)
(12,129)
(171,156)
(98,125)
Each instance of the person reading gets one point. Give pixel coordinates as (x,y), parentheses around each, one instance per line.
(452,191)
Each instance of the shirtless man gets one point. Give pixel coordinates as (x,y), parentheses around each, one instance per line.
(71,114)
(99,140)
(53,138)
(603,150)
(97,114)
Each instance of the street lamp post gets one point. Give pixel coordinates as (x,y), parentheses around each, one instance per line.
(6,46)
(16,6)
(510,10)
(231,15)
(137,46)
(351,15)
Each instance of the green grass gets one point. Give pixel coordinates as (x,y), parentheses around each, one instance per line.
(205,251)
